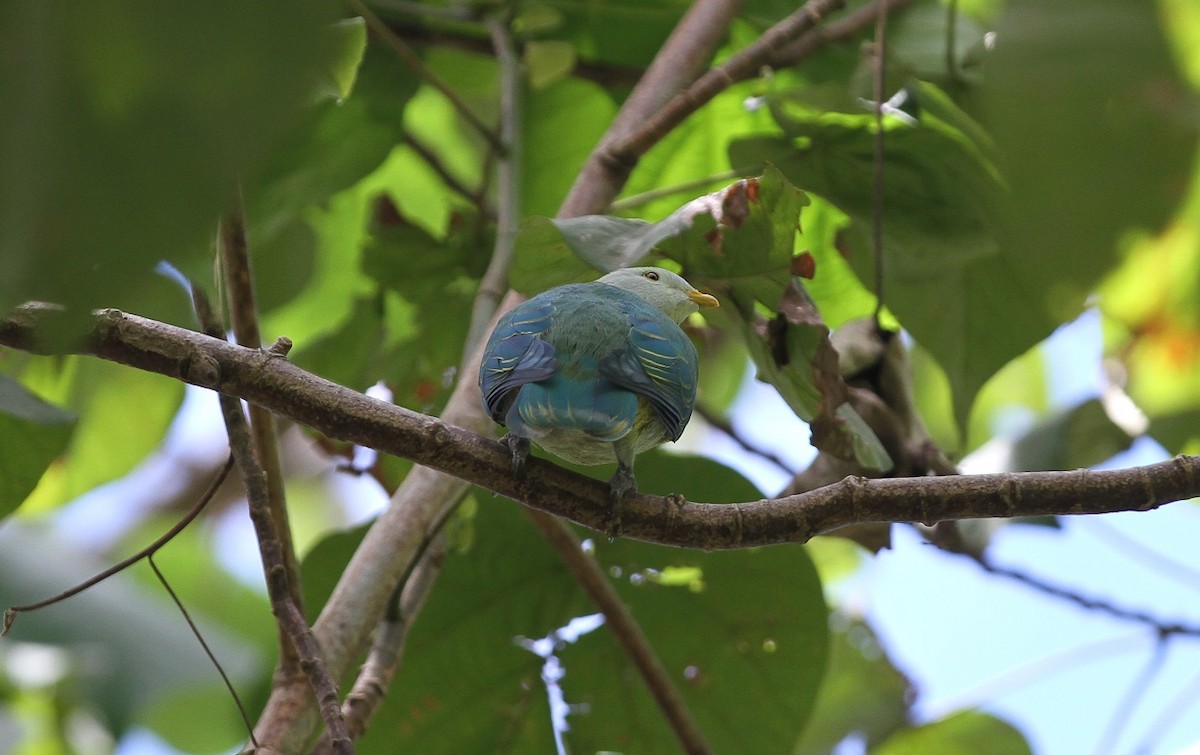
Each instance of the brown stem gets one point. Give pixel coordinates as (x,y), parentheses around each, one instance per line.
(243,315)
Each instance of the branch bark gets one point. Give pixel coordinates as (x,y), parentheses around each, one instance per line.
(344,414)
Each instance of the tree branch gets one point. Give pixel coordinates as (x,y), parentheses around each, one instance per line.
(623,152)
(243,314)
(345,414)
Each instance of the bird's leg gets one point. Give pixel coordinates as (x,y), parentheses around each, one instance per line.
(519,448)
(620,485)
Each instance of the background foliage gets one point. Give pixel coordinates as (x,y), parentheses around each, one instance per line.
(1041,166)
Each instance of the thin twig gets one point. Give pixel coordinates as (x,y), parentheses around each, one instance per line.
(1137,690)
(1162,628)
(625,629)
(279,592)
(10,614)
(880,71)
(435,163)
(1170,715)
(717,422)
(1171,568)
(243,314)
(413,61)
(508,191)
(387,648)
(688,187)
(207,650)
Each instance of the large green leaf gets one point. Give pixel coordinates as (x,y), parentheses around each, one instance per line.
(33,433)
(748,666)
(127,127)
(1096,137)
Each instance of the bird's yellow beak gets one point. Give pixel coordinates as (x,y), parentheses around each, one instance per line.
(702,299)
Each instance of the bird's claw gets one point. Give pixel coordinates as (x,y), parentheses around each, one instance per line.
(519,448)
(622,484)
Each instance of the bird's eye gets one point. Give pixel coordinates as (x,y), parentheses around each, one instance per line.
(650,274)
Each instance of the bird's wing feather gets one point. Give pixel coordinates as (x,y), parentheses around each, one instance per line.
(515,355)
(658,362)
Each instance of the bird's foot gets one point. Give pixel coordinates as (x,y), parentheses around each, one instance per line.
(622,484)
(519,448)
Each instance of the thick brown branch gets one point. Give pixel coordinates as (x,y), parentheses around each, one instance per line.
(746,63)
(341,413)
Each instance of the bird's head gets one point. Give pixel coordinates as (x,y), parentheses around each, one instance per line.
(662,289)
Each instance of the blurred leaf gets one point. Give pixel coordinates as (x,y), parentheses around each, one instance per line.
(350,354)
(748,668)
(863,695)
(123,416)
(1084,102)
(324,563)
(173,717)
(32,435)
(127,127)
(561,124)
(722,371)
(1081,437)
(696,478)
(624,33)
(548,62)
(351,36)
(968,733)
(1178,433)
(128,649)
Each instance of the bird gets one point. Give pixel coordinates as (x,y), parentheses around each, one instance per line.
(595,372)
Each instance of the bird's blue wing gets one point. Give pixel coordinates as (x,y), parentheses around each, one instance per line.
(658,362)
(515,355)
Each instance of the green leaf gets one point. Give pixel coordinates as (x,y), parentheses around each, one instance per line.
(351,36)
(140,120)
(1089,112)
(968,733)
(1178,432)
(748,667)
(1081,437)
(548,62)
(560,125)
(32,435)
(123,416)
